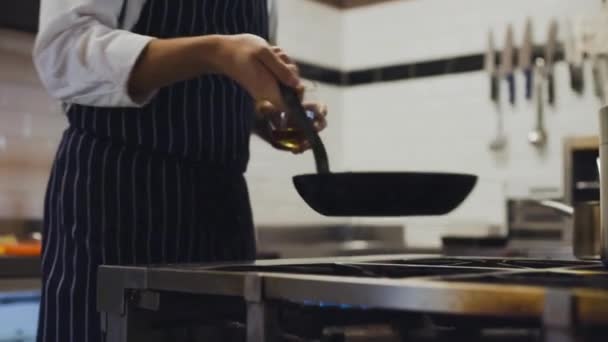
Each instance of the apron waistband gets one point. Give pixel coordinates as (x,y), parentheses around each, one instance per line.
(237,168)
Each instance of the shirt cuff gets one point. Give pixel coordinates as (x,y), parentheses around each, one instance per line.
(126,50)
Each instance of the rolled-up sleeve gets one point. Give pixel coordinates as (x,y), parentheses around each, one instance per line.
(82,56)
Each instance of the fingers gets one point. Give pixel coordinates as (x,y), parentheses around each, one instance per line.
(320,110)
(284,70)
(293,79)
(320,124)
(286,59)
(264,89)
(264,108)
(294,69)
(281,70)
(300,90)
(280,66)
(284,56)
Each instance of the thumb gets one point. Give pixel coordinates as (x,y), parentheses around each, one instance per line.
(265,108)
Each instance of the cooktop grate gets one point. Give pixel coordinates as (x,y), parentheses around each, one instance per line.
(359,270)
(410,268)
(595,280)
(490,263)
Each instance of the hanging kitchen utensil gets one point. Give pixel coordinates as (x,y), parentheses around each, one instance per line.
(600,76)
(598,84)
(500,140)
(538,136)
(579,55)
(506,63)
(574,59)
(373,193)
(550,49)
(490,66)
(526,58)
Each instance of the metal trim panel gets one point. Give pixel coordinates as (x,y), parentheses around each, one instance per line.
(200,282)
(410,295)
(112,283)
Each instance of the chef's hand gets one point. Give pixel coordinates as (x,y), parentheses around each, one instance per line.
(271,113)
(258,67)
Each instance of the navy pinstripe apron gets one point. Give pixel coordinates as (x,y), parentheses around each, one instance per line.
(159,184)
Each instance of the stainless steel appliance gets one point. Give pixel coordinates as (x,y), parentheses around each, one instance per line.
(582,191)
(581,178)
(383,298)
(587,226)
(603,166)
(532,223)
(585,218)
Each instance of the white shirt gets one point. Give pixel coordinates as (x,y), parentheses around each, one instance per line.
(85,56)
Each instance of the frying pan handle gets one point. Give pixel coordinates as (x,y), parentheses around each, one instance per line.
(294,107)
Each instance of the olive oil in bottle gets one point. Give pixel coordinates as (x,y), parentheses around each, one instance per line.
(290,138)
(284,132)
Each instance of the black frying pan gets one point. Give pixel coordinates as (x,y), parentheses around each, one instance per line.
(373,193)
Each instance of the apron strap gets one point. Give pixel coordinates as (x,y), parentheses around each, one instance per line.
(273,21)
(121,15)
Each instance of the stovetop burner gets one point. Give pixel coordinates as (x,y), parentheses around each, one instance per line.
(390,296)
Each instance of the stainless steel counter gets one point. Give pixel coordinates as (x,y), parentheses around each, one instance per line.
(561,298)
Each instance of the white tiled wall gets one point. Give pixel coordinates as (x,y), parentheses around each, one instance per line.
(30,126)
(399,31)
(311,32)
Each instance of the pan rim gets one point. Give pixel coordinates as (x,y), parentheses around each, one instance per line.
(391,173)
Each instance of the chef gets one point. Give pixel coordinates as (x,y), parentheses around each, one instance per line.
(161,99)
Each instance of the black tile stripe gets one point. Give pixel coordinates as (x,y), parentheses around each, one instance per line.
(438,67)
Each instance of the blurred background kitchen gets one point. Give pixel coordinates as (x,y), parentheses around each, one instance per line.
(408,84)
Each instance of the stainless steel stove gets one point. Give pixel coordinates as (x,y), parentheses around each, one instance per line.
(383,298)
